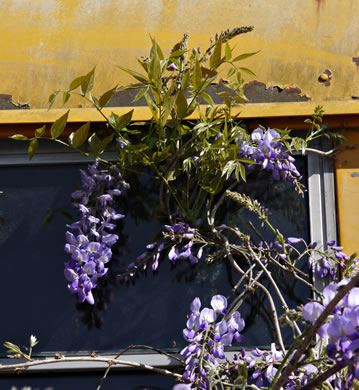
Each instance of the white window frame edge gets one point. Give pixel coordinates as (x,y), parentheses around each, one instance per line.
(322,205)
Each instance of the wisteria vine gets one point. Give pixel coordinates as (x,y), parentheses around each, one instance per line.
(199,166)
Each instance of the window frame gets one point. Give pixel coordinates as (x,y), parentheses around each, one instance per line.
(322,228)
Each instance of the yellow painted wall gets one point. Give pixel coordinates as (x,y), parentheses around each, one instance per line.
(347,189)
(46,43)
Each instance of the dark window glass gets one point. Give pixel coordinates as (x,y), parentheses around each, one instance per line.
(152,310)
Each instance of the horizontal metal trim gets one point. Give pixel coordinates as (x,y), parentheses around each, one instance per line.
(250,110)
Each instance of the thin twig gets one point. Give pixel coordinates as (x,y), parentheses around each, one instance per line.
(332,152)
(128,349)
(274,315)
(260,285)
(239,300)
(274,284)
(220,201)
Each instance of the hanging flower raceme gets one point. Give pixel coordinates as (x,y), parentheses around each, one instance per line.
(208,331)
(328,262)
(179,238)
(89,240)
(266,151)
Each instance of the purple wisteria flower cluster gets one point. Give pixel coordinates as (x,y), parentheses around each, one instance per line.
(264,360)
(184,235)
(208,331)
(327,263)
(262,365)
(266,151)
(89,241)
(341,329)
(181,240)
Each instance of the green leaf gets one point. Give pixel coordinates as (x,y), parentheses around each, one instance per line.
(19,137)
(224,94)
(228,168)
(136,75)
(197,74)
(154,71)
(231,72)
(168,105)
(242,171)
(156,95)
(216,57)
(76,83)
(130,87)
(120,122)
(105,98)
(98,146)
(151,105)
(248,71)
(247,161)
(33,147)
(159,50)
(185,80)
(125,119)
(11,347)
(228,52)
(59,125)
(178,53)
(207,98)
(208,73)
(87,82)
(93,100)
(140,94)
(160,156)
(52,98)
(40,132)
(212,184)
(244,56)
(181,105)
(79,136)
(65,97)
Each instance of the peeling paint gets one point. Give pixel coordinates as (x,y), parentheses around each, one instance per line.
(7,102)
(258,92)
(325,77)
(255,91)
(355,60)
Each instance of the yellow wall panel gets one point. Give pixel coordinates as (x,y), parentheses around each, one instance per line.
(46,43)
(347,189)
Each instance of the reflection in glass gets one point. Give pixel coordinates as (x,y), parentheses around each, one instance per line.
(150,311)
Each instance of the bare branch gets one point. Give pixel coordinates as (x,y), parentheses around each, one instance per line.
(99,359)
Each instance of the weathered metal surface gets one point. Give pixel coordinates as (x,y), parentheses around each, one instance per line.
(347,190)
(309,53)
(46,43)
